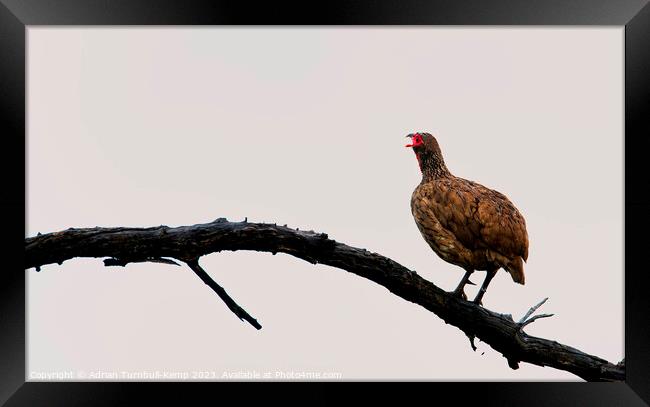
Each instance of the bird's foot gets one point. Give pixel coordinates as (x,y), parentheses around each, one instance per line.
(460,293)
(478,300)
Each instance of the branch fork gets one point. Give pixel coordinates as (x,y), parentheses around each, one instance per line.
(527,319)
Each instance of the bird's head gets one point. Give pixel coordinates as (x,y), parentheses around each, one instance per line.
(423,141)
(417,140)
(428,153)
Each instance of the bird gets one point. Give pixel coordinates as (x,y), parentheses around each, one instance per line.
(464,222)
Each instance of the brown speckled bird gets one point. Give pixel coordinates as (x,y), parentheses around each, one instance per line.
(465,223)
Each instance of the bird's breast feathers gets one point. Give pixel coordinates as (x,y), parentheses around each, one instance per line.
(480,223)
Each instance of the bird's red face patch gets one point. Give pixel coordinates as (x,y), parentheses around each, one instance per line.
(416,140)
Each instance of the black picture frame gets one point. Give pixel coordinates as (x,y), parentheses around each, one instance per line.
(16,15)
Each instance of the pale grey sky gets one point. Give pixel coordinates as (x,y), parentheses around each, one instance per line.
(306,126)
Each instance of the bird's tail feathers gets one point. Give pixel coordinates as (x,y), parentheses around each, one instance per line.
(516,270)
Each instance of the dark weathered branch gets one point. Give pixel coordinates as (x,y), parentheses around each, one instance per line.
(188,243)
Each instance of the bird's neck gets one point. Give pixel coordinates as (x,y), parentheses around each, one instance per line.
(432,166)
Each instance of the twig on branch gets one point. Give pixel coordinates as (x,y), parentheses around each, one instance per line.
(525,320)
(532,309)
(232,305)
(531,320)
(188,243)
(122,262)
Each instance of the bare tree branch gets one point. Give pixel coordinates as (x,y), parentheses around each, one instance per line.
(188,243)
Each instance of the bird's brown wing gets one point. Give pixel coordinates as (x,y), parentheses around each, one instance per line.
(480,218)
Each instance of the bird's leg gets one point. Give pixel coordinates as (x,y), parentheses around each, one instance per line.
(460,290)
(490,275)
